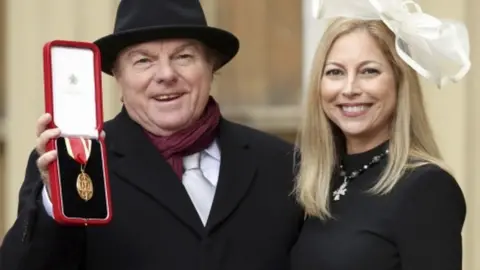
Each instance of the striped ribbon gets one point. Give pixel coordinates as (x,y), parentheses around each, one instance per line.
(79,149)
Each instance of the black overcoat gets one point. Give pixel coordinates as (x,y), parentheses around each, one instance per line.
(253,223)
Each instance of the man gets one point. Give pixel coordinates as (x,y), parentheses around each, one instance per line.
(236,214)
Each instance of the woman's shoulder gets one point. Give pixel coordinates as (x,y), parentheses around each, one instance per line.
(429,210)
(427,174)
(432,184)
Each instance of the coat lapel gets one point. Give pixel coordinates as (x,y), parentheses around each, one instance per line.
(136,160)
(237,170)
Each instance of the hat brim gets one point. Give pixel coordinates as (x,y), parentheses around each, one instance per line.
(221,41)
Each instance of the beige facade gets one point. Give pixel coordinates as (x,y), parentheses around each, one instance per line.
(264,92)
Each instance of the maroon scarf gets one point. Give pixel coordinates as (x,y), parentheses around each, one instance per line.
(193,139)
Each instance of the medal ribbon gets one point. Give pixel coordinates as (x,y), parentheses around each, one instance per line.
(79,149)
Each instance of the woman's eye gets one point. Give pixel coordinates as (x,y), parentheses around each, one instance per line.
(370,71)
(333,72)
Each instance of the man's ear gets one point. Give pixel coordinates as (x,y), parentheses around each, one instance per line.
(115,75)
(115,71)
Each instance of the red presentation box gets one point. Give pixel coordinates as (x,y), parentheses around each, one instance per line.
(80,188)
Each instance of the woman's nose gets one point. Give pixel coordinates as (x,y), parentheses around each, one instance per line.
(351,88)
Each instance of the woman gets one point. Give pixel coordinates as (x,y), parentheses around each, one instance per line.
(376,192)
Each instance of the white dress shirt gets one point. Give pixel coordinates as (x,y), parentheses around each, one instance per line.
(201,192)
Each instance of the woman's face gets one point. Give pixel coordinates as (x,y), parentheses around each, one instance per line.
(165,84)
(358,90)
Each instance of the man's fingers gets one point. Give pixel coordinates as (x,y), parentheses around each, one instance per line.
(43,139)
(42,123)
(44,160)
(42,163)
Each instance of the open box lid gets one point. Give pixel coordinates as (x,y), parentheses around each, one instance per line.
(73,94)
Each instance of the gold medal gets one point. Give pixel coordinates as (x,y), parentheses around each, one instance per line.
(79,149)
(84,186)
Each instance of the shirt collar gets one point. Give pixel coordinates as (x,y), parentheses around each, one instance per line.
(213,150)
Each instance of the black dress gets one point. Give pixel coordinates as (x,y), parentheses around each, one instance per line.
(416,227)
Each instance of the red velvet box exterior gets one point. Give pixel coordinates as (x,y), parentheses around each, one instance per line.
(68,207)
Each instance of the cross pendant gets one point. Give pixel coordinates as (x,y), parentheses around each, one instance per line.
(341,191)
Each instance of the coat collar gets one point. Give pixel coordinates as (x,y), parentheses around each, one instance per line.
(136,160)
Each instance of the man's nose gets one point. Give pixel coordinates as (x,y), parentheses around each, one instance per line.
(165,73)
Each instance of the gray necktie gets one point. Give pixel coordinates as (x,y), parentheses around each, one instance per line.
(200,190)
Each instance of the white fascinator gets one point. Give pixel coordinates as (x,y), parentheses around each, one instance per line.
(437,49)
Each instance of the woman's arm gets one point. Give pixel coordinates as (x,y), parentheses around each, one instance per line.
(429,221)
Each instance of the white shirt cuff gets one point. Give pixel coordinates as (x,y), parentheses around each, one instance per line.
(47,204)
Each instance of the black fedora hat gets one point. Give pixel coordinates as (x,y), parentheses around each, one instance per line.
(140,21)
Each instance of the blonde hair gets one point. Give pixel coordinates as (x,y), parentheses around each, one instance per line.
(411,143)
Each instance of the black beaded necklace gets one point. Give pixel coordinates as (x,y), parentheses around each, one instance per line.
(342,190)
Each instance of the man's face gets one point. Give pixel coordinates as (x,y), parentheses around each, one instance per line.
(165,84)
